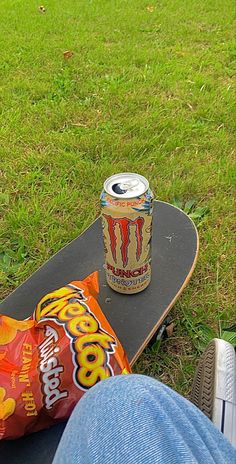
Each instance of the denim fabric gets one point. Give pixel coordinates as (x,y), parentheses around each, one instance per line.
(135,419)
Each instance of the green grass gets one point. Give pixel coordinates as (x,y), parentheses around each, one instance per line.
(146,91)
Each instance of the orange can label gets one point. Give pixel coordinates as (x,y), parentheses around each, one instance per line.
(127,233)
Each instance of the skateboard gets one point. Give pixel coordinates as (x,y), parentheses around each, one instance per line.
(135,318)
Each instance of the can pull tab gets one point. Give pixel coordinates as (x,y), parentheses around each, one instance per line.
(129,185)
(123,187)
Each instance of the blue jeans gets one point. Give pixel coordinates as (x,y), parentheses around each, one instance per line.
(135,419)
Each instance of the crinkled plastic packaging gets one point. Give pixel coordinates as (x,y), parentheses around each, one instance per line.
(49,361)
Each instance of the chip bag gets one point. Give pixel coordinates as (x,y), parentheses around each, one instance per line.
(49,361)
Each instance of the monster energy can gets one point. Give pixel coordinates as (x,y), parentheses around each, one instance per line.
(127,231)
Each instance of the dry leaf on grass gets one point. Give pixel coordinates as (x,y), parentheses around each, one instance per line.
(150,8)
(42,9)
(68,54)
(170,329)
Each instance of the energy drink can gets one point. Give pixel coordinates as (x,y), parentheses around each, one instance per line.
(127,204)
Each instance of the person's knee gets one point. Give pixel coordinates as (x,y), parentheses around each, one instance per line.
(125,385)
(124,407)
(122,390)
(119,401)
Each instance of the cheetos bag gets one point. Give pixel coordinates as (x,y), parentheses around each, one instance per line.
(49,361)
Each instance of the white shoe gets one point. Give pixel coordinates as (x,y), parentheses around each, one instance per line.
(214,387)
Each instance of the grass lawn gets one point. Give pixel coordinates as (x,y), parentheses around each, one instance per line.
(148,89)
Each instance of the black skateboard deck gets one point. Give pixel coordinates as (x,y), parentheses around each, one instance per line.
(135,318)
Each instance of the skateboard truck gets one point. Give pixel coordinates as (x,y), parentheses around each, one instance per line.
(161,332)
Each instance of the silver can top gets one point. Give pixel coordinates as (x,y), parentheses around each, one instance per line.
(126,185)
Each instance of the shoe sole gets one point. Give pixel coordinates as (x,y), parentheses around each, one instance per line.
(214,387)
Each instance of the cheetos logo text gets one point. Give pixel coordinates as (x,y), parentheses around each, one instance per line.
(91,344)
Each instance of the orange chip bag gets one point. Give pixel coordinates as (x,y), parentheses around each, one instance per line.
(49,361)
